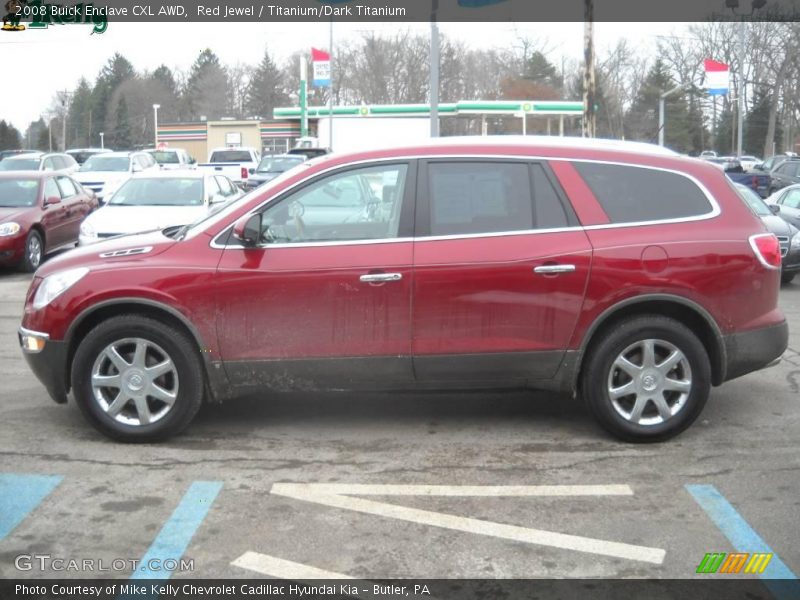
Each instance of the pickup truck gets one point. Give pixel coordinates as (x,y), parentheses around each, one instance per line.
(234,163)
(757,181)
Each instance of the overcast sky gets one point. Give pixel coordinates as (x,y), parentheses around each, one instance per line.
(44,61)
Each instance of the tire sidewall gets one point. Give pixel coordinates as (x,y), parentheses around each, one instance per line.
(26,265)
(606,352)
(190,388)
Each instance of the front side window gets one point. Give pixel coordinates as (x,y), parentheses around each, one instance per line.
(631,194)
(67,187)
(792,199)
(358,204)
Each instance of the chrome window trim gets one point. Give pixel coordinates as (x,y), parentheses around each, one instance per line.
(715,208)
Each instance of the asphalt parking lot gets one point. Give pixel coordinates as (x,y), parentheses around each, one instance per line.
(470,485)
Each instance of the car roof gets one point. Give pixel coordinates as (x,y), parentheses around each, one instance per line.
(98,150)
(31,174)
(27,155)
(174,174)
(117,154)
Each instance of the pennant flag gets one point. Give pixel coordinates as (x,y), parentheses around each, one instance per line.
(322,68)
(717,79)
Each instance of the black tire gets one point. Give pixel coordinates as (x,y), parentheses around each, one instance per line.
(599,375)
(31,259)
(185,378)
(787,278)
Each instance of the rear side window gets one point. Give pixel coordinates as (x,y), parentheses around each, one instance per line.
(492,197)
(634,194)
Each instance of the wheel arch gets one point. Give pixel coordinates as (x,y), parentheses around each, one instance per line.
(686,311)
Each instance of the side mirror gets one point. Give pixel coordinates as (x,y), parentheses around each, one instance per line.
(775,209)
(217,198)
(248,230)
(52,200)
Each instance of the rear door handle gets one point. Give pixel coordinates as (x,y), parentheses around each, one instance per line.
(553,269)
(380,277)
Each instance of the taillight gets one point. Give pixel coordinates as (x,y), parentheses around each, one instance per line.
(767,250)
(244,172)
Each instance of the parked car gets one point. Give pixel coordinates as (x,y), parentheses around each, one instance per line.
(105,173)
(758,182)
(40,212)
(173,158)
(233,163)
(40,161)
(81,155)
(785,174)
(635,278)
(155,201)
(773,162)
(270,167)
(788,234)
(7,153)
(708,154)
(749,162)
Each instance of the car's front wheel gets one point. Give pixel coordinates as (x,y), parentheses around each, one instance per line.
(137,379)
(647,379)
(34,251)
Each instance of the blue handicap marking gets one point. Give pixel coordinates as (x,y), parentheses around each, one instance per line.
(19,495)
(779,578)
(174,537)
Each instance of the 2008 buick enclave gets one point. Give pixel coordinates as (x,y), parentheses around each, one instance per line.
(634,277)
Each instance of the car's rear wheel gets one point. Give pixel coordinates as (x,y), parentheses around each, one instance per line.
(137,379)
(647,379)
(34,251)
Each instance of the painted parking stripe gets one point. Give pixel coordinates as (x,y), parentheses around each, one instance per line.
(341,496)
(745,539)
(19,495)
(283,569)
(174,537)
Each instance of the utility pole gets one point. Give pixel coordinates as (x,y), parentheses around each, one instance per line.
(330,99)
(434,70)
(303,97)
(102,145)
(64,100)
(589,118)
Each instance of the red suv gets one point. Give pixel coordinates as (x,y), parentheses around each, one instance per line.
(631,276)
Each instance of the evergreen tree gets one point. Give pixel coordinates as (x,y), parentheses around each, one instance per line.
(117,70)
(266,89)
(756,124)
(81,115)
(206,87)
(121,137)
(10,138)
(724,143)
(542,71)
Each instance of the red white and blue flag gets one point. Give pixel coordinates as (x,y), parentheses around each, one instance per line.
(322,67)
(717,79)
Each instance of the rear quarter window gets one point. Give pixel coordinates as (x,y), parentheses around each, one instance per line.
(630,194)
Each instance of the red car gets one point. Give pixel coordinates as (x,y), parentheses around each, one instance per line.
(634,277)
(40,212)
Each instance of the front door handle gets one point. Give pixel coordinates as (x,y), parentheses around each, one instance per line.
(554,269)
(380,277)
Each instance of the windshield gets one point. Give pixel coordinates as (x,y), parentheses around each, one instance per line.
(82,156)
(756,203)
(106,163)
(277,165)
(160,192)
(20,164)
(230,156)
(18,192)
(166,158)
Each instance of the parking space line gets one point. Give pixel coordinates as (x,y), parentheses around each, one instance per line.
(174,537)
(333,495)
(21,494)
(743,537)
(283,569)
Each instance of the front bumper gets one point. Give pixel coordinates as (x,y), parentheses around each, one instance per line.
(790,263)
(48,364)
(12,249)
(750,351)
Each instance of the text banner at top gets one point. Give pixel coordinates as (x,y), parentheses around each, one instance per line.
(400,11)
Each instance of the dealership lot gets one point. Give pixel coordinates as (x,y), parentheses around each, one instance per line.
(477,478)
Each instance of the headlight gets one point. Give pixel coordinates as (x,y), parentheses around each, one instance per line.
(87,230)
(56,284)
(796,240)
(7,229)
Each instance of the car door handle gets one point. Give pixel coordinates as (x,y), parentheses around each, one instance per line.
(380,277)
(553,269)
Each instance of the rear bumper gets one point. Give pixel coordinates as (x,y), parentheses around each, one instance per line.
(753,350)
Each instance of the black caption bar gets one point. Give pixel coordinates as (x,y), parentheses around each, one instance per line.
(403,10)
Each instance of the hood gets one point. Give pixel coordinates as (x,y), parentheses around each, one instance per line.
(103,176)
(89,256)
(10,213)
(133,219)
(777,225)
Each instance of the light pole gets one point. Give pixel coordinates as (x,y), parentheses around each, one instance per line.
(102,134)
(434,70)
(754,6)
(155,124)
(661,109)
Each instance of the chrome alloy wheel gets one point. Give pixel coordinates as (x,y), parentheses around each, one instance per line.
(134,381)
(649,382)
(34,251)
